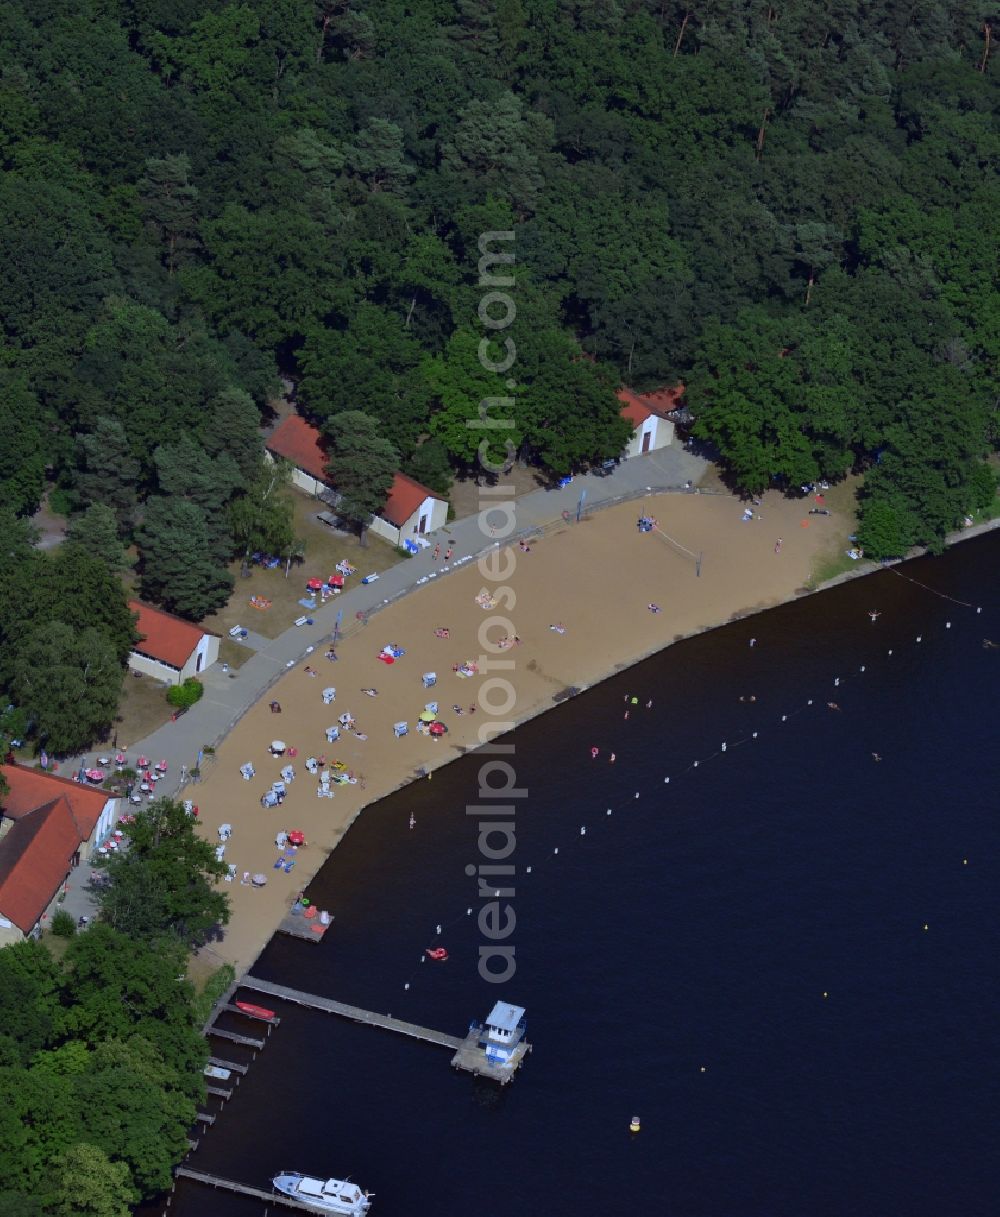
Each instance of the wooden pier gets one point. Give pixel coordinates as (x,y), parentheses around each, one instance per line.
(219,1092)
(309,929)
(229,1185)
(246,1040)
(355,1013)
(221,1064)
(205,1118)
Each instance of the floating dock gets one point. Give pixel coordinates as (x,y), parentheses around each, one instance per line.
(230,1185)
(231,1065)
(313,1002)
(309,929)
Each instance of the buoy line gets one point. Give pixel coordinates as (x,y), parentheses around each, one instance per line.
(724,748)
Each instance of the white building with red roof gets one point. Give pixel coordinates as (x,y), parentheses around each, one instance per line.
(169,648)
(647,412)
(410,509)
(48,826)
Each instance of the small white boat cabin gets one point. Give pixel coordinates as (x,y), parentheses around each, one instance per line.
(505,1028)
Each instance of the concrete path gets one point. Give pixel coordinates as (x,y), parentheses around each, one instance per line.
(229,695)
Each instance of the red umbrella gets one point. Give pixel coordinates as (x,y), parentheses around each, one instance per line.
(296,837)
(336,581)
(314,585)
(387,659)
(438,729)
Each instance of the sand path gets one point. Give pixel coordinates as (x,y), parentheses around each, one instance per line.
(596,578)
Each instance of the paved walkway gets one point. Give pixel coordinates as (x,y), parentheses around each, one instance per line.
(228,696)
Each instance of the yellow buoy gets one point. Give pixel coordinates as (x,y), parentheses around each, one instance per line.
(634,1124)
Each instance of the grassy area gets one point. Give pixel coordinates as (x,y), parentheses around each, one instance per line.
(841,499)
(142,709)
(324,548)
(210,988)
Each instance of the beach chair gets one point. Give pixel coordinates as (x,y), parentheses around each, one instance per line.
(332,734)
(430,679)
(400,729)
(432,707)
(329,695)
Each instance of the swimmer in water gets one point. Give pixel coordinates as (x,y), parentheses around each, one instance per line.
(876,757)
(989,644)
(595,753)
(874,614)
(649,704)
(611,759)
(750,697)
(833,705)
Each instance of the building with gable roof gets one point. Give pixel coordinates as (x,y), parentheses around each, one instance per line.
(48,826)
(410,509)
(169,648)
(651,428)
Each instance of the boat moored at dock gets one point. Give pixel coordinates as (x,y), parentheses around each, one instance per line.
(324,1195)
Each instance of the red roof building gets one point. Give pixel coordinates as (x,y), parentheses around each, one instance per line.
(170,648)
(301,443)
(409,508)
(647,412)
(46,824)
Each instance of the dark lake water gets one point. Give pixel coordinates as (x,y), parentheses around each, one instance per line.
(738,956)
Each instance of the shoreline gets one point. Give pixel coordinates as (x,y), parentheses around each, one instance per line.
(254,920)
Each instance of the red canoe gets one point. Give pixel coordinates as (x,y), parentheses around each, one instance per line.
(254,1011)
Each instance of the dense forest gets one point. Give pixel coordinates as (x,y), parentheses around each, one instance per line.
(787,206)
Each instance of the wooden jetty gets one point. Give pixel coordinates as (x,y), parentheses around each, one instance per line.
(355,1013)
(230,1185)
(246,1040)
(221,1064)
(219,1092)
(205,1118)
(309,929)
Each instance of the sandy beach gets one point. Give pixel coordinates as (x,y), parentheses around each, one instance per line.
(596,579)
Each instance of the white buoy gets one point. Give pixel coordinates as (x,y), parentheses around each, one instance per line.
(890,652)
(527,871)
(468,912)
(809,702)
(784,718)
(723,748)
(407,985)
(862,668)
(836,681)
(609,811)
(637,794)
(556,850)
(979,610)
(920,638)
(437,929)
(754,736)
(695,766)
(947,625)
(666,780)
(583,833)
(634,1124)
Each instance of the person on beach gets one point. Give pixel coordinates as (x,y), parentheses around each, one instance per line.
(276,707)
(331,654)
(437,552)
(310,671)
(777,545)
(472,709)
(447,554)
(653,608)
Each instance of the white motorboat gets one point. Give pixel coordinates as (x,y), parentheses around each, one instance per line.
(324,1195)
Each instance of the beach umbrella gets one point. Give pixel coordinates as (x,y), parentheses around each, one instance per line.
(278,745)
(295,837)
(427,716)
(314,585)
(142,762)
(438,728)
(259,880)
(336,581)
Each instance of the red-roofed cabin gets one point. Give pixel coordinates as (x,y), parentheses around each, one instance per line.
(48,825)
(651,429)
(301,444)
(410,509)
(169,648)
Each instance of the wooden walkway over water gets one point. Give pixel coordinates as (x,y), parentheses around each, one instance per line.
(246,1040)
(355,1013)
(241,1189)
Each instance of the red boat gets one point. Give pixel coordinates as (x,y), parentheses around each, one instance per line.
(254,1011)
(438,954)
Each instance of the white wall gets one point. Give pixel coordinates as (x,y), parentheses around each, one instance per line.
(152,667)
(208,649)
(660,431)
(436,511)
